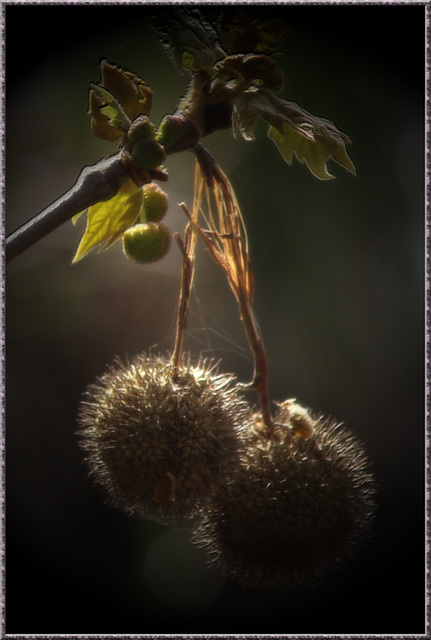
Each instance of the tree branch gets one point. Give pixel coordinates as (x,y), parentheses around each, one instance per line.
(96,183)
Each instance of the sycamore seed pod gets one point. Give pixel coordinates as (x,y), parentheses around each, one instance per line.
(146,243)
(299,504)
(160,439)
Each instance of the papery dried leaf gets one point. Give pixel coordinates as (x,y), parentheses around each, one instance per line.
(188,38)
(107,221)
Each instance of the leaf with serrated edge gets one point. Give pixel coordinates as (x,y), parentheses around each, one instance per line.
(134,95)
(188,38)
(107,221)
(295,131)
(274,110)
(112,108)
(314,153)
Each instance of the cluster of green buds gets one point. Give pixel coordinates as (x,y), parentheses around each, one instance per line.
(119,109)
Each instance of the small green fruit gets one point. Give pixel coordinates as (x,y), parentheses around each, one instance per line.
(146,243)
(148,154)
(155,202)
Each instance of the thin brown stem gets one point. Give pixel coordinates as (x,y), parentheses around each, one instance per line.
(177,353)
(261,371)
(187,248)
(187,273)
(226,240)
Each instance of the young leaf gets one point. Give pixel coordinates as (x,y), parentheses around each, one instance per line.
(295,131)
(131,91)
(100,122)
(116,101)
(188,38)
(246,70)
(262,103)
(111,108)
(314,153)
(107,221)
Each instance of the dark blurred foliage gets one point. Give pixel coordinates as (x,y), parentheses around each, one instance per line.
(339,272)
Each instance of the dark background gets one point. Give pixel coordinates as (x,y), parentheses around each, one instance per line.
(339,270)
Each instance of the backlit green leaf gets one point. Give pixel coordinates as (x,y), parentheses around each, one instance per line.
(313,140)
(116,101)
(314,153)
(112,109)
(107,221)
(276,111)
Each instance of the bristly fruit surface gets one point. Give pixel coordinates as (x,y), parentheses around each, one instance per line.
(300,503)
(160,440)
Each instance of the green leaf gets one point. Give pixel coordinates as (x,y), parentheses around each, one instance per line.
(314,153)
(246,70)
(107,221)
(314,141)
(111,109)
(276,111)
(188,38)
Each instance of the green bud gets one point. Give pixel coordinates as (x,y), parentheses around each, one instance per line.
(141,129)
(148,154)
(169,130)
(155,203)
(146,243)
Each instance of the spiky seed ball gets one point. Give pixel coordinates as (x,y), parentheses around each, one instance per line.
(155,202)
(147,242)
(159,439)
(299,504)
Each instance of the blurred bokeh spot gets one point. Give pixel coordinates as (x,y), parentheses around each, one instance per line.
(176,572)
